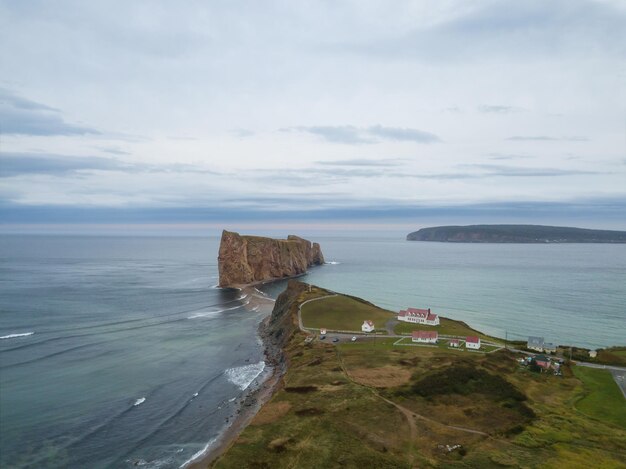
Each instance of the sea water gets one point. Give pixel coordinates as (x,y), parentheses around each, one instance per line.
(118,351)
(121,351)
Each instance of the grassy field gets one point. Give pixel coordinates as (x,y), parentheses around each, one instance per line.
(373,404)
(603,400)
(446,327)
(343,313)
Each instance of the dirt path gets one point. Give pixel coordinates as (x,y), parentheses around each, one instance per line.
(407,412)
(302,328)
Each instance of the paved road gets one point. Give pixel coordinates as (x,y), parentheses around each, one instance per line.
(604,367)
(618,372)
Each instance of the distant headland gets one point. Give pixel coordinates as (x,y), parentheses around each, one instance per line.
(244,259)
(516,234)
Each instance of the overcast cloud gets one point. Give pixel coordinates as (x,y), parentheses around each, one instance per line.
(282,106)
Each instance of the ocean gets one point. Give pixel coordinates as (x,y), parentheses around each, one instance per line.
(121,351)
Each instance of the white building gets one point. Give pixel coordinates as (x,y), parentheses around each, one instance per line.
(540,345)
(535,343)
(549,347)
(453,343)
(425,337)
(368,326)
(472,342)
(419,316)
(322,331)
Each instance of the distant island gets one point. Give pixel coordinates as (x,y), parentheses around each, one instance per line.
(516,234)
(244,260)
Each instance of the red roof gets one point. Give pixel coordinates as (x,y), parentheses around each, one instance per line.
(472,339)
(420,313)
(369,323)
(454,341)
(425,335)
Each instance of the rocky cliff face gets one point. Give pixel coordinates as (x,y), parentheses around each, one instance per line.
(283,321)
(248,259)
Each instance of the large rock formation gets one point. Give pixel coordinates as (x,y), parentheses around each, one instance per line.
(248,259)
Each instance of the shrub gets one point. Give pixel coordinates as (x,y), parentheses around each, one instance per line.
(465,379)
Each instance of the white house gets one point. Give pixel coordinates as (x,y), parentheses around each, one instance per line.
(425,337)
(322,331)
(419,316)
(368,326)
(535,343)
(540,345)
(472,342)
(453,343)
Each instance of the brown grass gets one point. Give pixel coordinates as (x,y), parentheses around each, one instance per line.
(385,377)
(271,412)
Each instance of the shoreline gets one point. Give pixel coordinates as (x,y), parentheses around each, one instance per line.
(251,405)
(243,286)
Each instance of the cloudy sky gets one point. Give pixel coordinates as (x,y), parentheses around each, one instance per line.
(406,112)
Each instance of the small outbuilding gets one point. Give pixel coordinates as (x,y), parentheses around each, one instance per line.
(549,347)
(472,342)
(593,353)
(368,326)
(425,337)
(453,343)
(322,331)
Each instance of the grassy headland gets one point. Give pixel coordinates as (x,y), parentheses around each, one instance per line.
(373,404)
(343,313)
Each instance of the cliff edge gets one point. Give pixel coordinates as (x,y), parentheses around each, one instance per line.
(248,259)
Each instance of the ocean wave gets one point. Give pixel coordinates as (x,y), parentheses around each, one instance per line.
(332,263)
(13,336)
(208,314)
(198,454)
(139,401)
(243,376)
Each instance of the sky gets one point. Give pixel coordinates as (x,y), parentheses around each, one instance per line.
(199,115)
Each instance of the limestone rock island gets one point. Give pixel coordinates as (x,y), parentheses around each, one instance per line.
(248,259)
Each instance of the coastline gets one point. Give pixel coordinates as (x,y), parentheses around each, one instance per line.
(261,394)
(251,404)
(243,286)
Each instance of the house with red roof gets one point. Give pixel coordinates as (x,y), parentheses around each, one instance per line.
(367,326)
(472,342)
(453,343)
(542,361)
(425,337)
(418,316)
